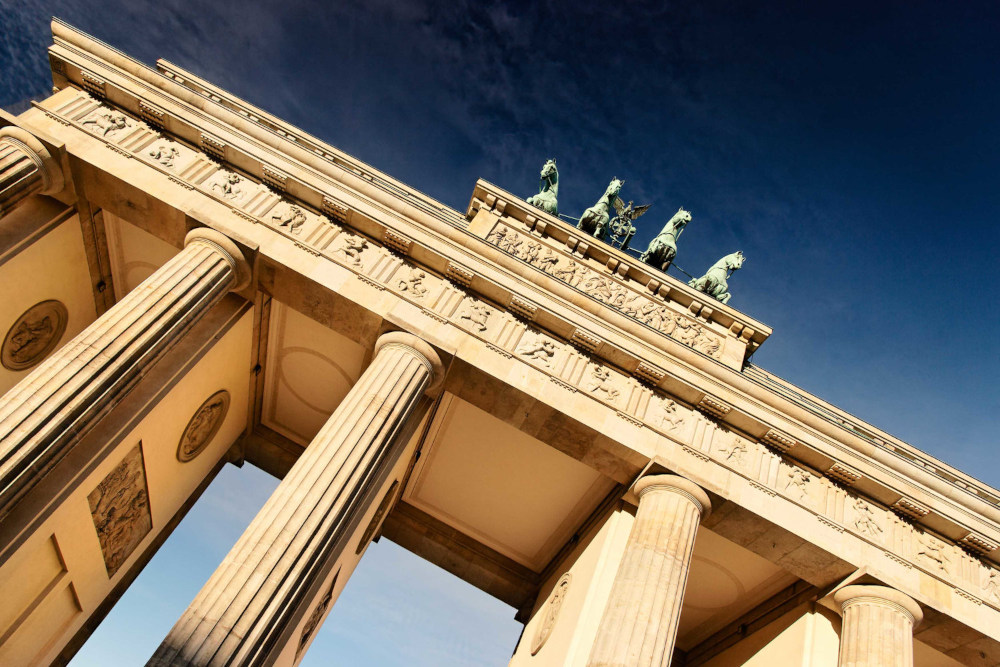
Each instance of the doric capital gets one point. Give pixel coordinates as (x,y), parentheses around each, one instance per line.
(51,173)
(882,596)
(675,484)
(225,246)
(417,347)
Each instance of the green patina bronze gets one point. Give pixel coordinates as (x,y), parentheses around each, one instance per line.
(595,219)
(547,198)
(663,249)
(714,282)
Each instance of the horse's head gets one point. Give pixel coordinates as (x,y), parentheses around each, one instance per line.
(681,216)
(735,261)
(614,187)
(549,169)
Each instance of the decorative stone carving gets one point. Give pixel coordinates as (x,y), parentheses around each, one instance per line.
(797,483)
(477,313)
(864,519)
(600,382)
(227,184)
(106,123)
(413,284)
(671,416)
(119,506)
(541,349)
(293,217)
(351,246)
(992,585)
(318,612)
(165,154)
(932,551)
(204,424)
(551,613)
(376,521)
(33,335)
(734,450)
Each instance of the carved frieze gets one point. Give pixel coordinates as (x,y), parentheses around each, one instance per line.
(203,425)
(608,290)
(119,505)
(33,335)
(316,616)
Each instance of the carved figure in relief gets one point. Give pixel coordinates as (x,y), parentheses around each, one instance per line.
(293,218)
(541,349)
(601,382)
(119,506)
(547,261)
(931,550)
(606,290)
(229,186)
(204,424)
(34,334)
(797,482)
(414,283)
(595,219)
(706,344)
(529,252)
(548,189)
(351,246)
(734,449)
(107,123)
(165,155)
(504,238)
(715,281)
(663,249)
(671,416)
(477,314)
(864,519)
(992,585)
(551,615)
(570,273)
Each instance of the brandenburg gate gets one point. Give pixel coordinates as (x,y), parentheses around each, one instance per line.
(191,282)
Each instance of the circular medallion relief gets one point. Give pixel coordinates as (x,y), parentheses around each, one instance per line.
(34,334)
(551,612)
(203,426)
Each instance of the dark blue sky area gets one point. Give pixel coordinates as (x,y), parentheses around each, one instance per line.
(851,150)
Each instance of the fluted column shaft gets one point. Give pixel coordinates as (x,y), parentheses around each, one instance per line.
(265,581)
(877,630)
(640,621)
(50,409)
(26,168)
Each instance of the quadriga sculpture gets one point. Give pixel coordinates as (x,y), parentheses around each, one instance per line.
(714,282)
(548,189)
(663,248)
(595,219)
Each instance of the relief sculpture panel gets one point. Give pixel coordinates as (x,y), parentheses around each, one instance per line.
(204,424)
(608,290)
(119,506)
(33,335)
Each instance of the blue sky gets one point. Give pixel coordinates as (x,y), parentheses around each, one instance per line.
(851,150)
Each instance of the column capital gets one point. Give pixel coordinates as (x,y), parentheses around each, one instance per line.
(227,248)
(53,181)
(419,348)
(675,484)
(859,594)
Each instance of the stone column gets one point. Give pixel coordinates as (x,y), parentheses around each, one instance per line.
(244,614)
(43,415)
(26,168)
(878,625)
(640,622)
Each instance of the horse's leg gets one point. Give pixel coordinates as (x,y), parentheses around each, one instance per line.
(724,297)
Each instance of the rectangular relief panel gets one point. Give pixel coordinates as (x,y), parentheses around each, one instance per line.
(120,509)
